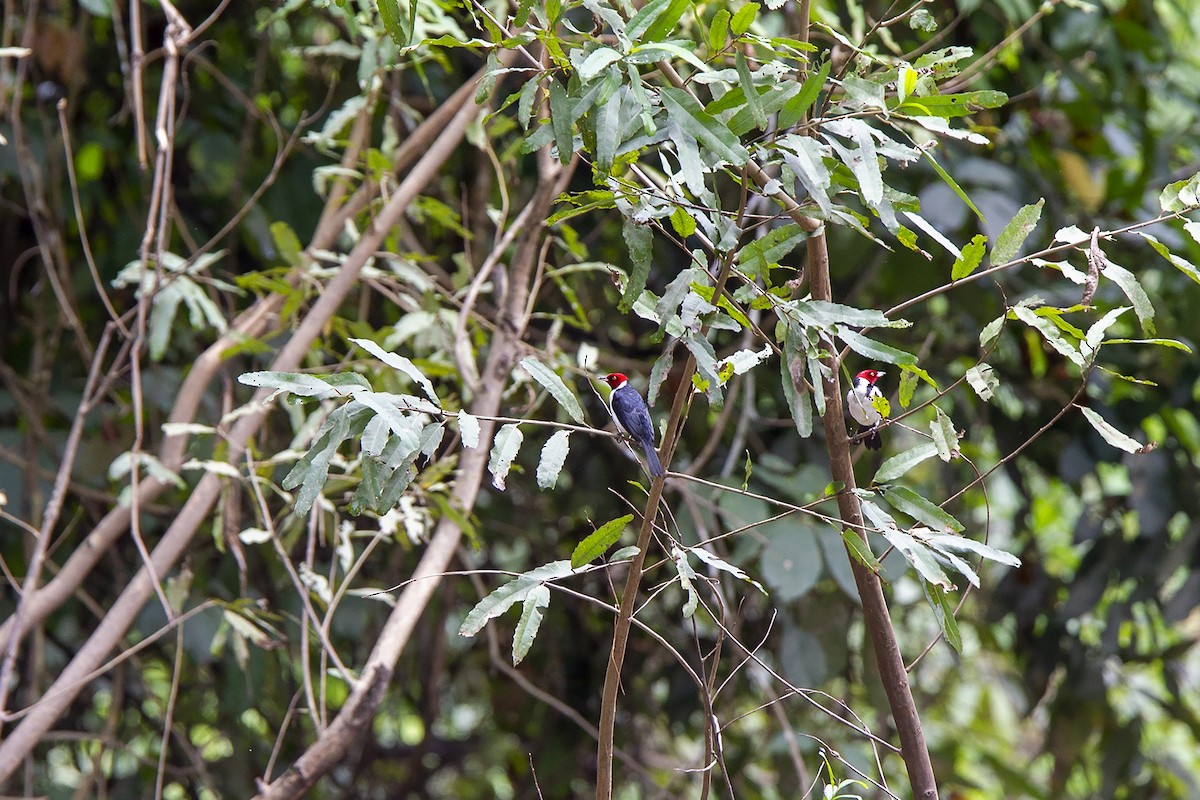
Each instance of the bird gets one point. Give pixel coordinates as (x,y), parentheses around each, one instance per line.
(860,402)
(632,416)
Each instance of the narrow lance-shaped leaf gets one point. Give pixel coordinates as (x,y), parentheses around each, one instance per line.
(599,541)
(972,254)
(962,544)
(549,379)
(945,437)
(901,463)
(943,610)
(753,101)
(554,454)
(983,380)
(639,239)
(531,620)
(510,594)
(401,364)
(1009,242)
(687,577)
(1049,332)
(683,109)
(1116,438)
(876,351)
(725,566)
(909,502)
(468,428)
(504,450)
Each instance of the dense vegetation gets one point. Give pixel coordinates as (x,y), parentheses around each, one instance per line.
(307,478)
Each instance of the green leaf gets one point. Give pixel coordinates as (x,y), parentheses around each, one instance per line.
(972,254)
(753,101)
(945,437)
(504,450)
(943,611)
(953,184)
(983,380)
(951,105)
(402,364)
(908,386)
(765,252)
(1180,195)
(598,61)
(560,122)
(991,331)
(663,23)
(511,593)
(686,112)
(468,429)
(639,239)
(296,383)
(287,243)
(1181,264)
(687,578)
(683,222)
(795,108)
(536,601)
(917,554)
(1050,333)
(554,454)
(1009,242)
(725,566)
(795,390)
(718,32)
(869,348)
(599,540)
(549,379)
(860,550)
(945,541)
(1111,435)
(907,501)
(1133,290)
(743,19)
(901,463)
(608,132)
(824,314)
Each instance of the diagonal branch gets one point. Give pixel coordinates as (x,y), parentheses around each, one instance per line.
(175,541)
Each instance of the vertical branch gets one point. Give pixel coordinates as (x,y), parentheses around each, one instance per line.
(888,659)
(633,582)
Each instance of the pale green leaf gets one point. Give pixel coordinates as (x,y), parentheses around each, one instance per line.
(504,450)
(686,112)
(468,428)
(1009,242)
(402,364)
(550,380)
(982,378)
(871,349)
(1050,333)
(901,463)
(914,505)
(554,454)
(945,437)
(536,601)
(687,578)
(1116,438)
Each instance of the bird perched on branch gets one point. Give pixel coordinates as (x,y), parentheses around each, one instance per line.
(867,405)
(632,416)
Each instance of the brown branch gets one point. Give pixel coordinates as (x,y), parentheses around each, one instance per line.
(359,710)
(20,742)
(888,659)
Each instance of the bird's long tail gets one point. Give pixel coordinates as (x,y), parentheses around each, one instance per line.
(652,462)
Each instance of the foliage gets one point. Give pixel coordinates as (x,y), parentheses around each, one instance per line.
(1007,195)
